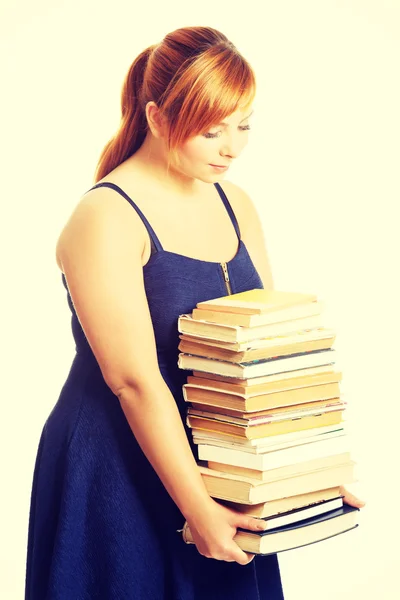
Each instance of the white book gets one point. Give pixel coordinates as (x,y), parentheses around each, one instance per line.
(269,443)
(296,516)
(275,458)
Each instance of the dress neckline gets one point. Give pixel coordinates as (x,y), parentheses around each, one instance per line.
(241,246)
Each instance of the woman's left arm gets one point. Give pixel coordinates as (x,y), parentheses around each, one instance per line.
(252,235)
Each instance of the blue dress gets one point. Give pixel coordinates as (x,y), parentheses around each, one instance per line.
(102,525)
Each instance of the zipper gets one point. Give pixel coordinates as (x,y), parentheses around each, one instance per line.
(226,277)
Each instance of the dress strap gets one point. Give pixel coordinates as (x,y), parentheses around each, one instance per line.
(154,239)
(228,208)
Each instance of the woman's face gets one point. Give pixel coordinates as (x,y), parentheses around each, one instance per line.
(220,145)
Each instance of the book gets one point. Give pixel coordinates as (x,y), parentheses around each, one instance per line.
(234,333)
(301,514)
(275,382)
(273,459)
(268,318)
(245,490)
(266,429)
(268,443)
(301,409)
(273,508)
(267,416)
(284,471)
(294,535)
(277,342)
(268,366)
(256,301)
(318,339)
(239,402)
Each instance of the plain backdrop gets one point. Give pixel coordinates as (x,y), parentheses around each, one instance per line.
(322,166)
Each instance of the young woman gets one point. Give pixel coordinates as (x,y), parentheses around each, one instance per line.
(116,473)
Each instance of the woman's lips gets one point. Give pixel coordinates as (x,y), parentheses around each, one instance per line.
(219,168)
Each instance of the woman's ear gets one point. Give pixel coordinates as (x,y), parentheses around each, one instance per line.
(155,119)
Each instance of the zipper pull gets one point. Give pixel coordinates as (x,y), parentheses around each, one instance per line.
(226,277)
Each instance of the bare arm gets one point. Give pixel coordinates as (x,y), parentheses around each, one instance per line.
(100,253)
(154,418)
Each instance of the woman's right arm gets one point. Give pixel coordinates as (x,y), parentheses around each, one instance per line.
(100,251)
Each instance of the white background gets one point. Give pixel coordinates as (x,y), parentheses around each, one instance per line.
(322,166)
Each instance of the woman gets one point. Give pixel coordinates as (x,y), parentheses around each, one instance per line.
(116,474)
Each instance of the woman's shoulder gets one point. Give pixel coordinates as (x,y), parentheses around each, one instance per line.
(96,209)
(252,230)
(241,203)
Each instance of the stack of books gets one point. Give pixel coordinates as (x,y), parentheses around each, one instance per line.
(266,413)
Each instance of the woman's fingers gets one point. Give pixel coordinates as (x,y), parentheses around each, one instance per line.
(251,523)
(241,557)
(350,498)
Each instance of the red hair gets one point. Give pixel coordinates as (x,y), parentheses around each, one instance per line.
(196,77)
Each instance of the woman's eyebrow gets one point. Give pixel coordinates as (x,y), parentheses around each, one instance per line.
(225,124)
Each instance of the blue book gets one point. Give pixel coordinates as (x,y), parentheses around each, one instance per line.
(294,535)
(298,534)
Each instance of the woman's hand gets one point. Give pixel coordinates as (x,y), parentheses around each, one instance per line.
(213,531)
(214,528)
(350,498)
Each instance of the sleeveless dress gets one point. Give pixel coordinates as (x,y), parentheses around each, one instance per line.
(102,525)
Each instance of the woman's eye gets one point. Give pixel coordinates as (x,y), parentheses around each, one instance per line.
(214,135)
